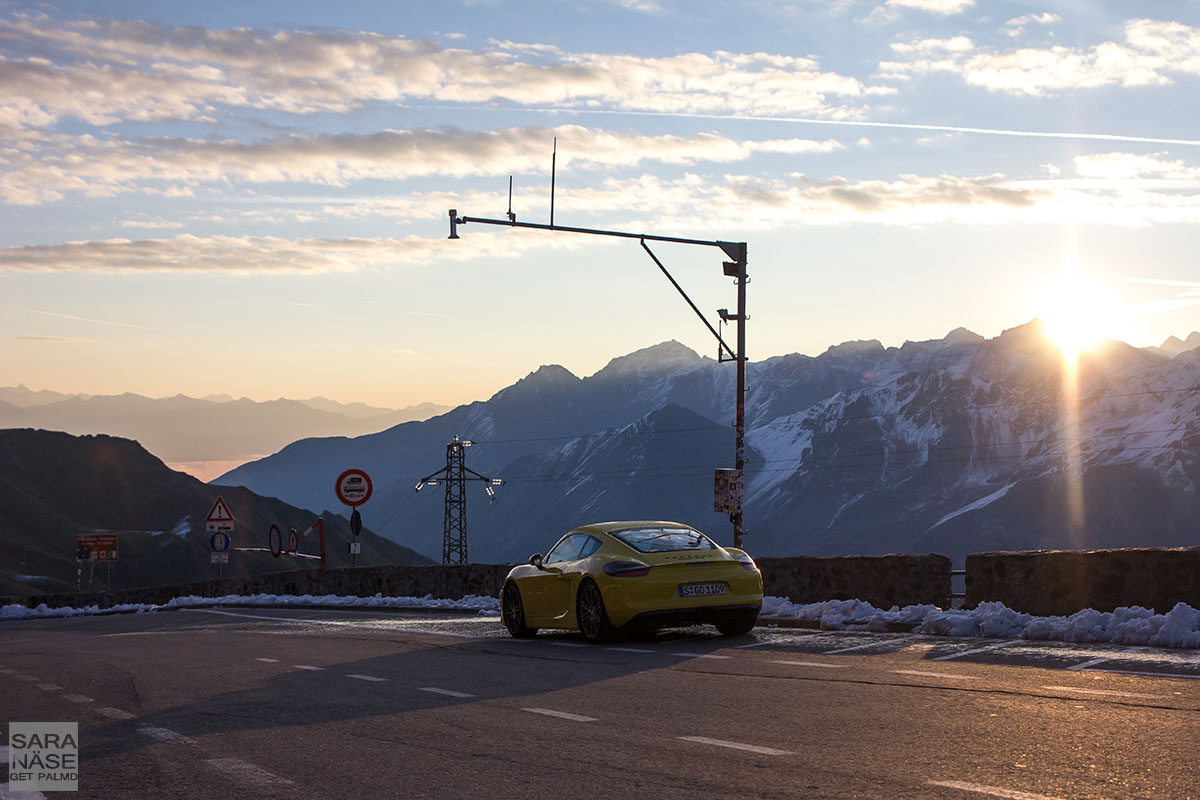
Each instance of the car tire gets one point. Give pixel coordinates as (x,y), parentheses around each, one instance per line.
(513,612)
(591,615)
(737,626)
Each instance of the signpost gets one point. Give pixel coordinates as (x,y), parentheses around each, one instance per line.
(93,547)
(354,487)
(219,523)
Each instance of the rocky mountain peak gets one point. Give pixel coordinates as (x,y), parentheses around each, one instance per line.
(664,357)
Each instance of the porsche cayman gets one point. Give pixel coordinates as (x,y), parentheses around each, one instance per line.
(602,578)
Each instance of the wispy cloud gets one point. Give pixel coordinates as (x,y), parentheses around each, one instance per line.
(935,6)
(1152,53)
(99,169)
(75,339)
(152,72)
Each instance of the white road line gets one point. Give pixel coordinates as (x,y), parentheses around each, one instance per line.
(113,713)
(1146,674)
(560,714)
(566,644)
(309,667)
(164,734)
(994,791)
(629,650)
(26,677)
(268,660)
(753,644)
(811,664)
(1107,692)
(972,652)
(934,674)
(8,671)
(366,677)
(1111,657)
(878,643)
(753,748)
(49,687)
(345,623)
(8,794)
(447,692)
(243,772)
(700,655)
(78,698)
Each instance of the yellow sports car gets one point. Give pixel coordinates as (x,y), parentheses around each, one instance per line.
(611,575)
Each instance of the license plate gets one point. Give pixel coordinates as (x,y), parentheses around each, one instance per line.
(701,589)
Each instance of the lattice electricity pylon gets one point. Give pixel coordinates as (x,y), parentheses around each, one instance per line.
(455,475)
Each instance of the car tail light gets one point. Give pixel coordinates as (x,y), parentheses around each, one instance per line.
(625,569)
(746,561)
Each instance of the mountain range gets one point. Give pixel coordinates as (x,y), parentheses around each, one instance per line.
(954,445)
(204,436)
(54,486)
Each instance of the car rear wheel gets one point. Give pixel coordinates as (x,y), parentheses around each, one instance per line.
(593,619)
(513,611)
(738,625)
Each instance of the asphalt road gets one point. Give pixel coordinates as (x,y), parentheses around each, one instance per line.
(293,703)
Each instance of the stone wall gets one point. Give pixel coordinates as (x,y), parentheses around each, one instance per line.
(882,581)
(1061,582)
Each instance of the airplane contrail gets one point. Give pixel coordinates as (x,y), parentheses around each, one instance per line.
(914,126)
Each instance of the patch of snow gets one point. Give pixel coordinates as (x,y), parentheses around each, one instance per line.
(1179,627)
(182,528)
(978,504)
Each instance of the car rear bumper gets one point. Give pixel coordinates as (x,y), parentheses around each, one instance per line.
(698,615)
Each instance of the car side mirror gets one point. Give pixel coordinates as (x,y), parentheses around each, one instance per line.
(536,560)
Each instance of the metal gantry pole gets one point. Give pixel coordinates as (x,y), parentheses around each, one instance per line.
(735,269)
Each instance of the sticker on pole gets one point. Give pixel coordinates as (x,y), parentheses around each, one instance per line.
(219,518)
(353,487)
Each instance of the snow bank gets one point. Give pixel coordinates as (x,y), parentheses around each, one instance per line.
(488,606)
(1180,627)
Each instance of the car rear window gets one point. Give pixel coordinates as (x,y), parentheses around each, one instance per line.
(659,540)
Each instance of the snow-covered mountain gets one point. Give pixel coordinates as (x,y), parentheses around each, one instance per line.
(954,445)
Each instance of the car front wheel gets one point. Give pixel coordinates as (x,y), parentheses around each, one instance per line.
(513,611)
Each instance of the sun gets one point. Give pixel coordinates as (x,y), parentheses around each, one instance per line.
(1077,313)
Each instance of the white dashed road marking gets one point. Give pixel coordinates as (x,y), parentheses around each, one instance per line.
(560,714)
(447,692)
(113,713)
(1093,662)
(1146,674)
(629,650)
(753,748)
(811,664)
(566,644)
(309,667)
(78,698)
(934,674)
(1107,692)
(164,734)
(268,660)
(366,677)
(244,772)
(699,655)
(49,687)
(878,643)
(994,791)
(972,652)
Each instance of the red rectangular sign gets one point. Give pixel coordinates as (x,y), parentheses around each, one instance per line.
(96,547)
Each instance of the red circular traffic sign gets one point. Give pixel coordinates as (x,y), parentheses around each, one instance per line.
(353,487)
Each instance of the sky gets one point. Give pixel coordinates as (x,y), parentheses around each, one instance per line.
(252,198)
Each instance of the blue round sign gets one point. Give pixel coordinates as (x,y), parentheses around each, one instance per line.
(219,542)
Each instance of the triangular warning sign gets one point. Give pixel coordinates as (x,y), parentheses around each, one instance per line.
(219,512)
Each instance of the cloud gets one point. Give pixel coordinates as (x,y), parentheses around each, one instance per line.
(935,6)
(102,168)
(1130,165)
(1016,27)
(73,339)
(1151,54)
(257,255)
(102,71)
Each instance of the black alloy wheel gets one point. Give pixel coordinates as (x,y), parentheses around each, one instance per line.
(593,619)
(513,612)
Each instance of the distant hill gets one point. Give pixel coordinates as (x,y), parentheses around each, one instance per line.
(189,433)
(53,486)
